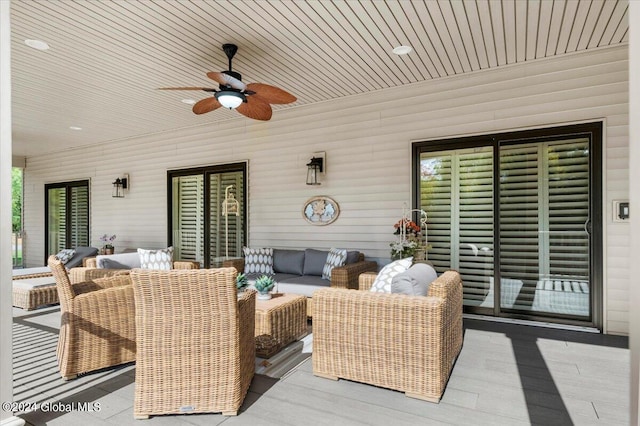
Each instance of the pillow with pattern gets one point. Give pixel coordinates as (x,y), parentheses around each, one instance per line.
(65,255)
(258,260)
(382,283)
(336,257)
(156,259)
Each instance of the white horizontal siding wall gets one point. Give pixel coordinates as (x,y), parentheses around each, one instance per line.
(367,140)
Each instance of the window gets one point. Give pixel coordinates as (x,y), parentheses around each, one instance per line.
(200,228)
(67,216)
(519,216)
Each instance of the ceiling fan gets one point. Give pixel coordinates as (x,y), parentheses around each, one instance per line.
(252,100)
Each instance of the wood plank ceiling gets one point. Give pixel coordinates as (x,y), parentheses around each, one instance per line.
(107,57)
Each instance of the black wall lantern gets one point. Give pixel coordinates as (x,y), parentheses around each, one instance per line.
(314,167)
(119,185)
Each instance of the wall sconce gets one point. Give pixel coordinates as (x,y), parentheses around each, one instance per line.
(315,166)
(119,185)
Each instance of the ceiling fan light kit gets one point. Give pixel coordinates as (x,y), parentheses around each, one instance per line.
(230,98)
(251,100)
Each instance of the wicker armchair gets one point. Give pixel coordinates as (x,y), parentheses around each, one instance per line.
(196,348)
(405,343)
(97,322)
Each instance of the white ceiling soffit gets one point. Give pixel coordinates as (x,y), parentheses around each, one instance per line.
(106,58)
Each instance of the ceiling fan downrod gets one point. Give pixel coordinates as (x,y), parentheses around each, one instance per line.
(230,50)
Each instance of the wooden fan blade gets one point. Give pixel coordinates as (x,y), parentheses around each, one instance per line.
(271,94)
(206,89)
(255,108)
(206,105)
(226,80)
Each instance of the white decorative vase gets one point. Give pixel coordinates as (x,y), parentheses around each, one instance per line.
(264,296)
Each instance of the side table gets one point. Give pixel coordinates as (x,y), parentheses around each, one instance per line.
(283,317)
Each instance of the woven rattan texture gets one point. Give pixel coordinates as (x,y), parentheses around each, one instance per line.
(284,317)
(30,299)
(406,343)
(97,322)
(195,336)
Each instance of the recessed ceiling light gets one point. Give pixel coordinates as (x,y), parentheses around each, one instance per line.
(188,101)
(37,44)
(75,128)
(402,50)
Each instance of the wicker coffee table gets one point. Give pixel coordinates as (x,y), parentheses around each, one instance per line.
(284,317)
(31,293)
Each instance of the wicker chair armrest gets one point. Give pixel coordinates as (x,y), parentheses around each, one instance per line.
(186,264)
(99,284)
(106,309)
(89,262)
(366,279)
(83,274)
(347,276)
(234,263)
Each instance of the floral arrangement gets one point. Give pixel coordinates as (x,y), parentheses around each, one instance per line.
(410,239)
(410,228)
(108,241)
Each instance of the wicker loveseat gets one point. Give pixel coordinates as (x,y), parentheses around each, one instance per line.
(400,342)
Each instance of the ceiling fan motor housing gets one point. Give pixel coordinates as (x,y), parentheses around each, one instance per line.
(233,74)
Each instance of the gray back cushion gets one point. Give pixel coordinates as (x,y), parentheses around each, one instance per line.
(118,261)
(288,261)
(314,261)
(352,256)
(414,281)
(81,253)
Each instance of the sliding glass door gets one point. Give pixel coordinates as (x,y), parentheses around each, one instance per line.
(207,213)
(519,216)
(67,216)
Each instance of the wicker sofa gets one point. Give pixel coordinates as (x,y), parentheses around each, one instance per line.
(300,271)
(116,264)
(400,342)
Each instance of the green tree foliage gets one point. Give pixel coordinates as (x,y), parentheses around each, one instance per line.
(16,197)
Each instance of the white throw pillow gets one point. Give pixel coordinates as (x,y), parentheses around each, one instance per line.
(336,257)
(65,255)
(156,259)
(382,283)
(258,260)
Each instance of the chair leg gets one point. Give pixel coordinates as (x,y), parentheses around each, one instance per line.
(140,417)
(230,413)
(71,377)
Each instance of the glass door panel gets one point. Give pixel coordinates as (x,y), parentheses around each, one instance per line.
(187,212)
(56,223)
(543,232)
(226,216)
(456,191)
